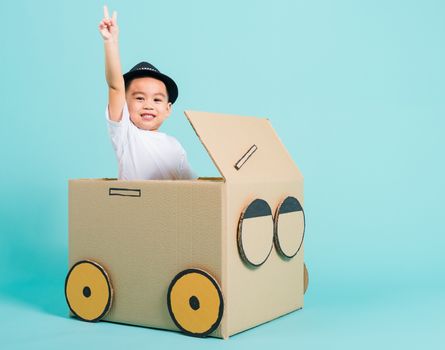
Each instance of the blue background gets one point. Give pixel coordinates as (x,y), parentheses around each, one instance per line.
(355,89)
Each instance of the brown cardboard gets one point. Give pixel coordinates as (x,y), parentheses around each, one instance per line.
(228,138)
(269,174)
(145,233)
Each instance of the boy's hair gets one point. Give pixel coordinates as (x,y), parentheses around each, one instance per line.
(145,69)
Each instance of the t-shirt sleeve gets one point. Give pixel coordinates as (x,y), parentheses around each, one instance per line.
(118,131)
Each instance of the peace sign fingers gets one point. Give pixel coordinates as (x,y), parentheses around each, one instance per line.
(113,19)
(108,26)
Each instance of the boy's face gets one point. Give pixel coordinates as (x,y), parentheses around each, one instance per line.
(147,102)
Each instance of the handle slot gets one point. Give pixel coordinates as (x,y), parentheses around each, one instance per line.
(126,192)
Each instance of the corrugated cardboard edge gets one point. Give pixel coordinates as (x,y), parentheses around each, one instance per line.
(224,267)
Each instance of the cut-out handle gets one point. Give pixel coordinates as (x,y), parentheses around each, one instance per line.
(245,157)
(126,192)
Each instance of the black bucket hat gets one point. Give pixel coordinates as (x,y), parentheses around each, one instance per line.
(145,69)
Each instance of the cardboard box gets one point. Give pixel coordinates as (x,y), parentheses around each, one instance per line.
(211,256)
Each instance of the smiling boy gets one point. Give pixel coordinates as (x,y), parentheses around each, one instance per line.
(138,103)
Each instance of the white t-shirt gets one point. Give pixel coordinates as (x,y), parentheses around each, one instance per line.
(146,155)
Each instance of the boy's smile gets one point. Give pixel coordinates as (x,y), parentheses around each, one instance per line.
(147,102)
(148,116)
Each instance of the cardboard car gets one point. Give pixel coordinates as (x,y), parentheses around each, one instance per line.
(209,256)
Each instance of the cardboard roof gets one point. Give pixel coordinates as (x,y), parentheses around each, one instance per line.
(244,148)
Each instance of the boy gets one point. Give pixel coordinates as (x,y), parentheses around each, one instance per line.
(138,103)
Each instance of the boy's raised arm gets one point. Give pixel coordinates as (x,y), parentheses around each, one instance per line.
(109,30)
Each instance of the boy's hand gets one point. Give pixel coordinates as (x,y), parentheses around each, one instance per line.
(116,85)
(108,27)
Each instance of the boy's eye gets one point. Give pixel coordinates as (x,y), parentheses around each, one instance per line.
(139,98)
(158,100)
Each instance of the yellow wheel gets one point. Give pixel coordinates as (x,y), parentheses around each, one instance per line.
(306,278)
(88,291)
(195,302)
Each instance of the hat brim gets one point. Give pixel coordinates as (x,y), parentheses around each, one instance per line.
(172,88)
